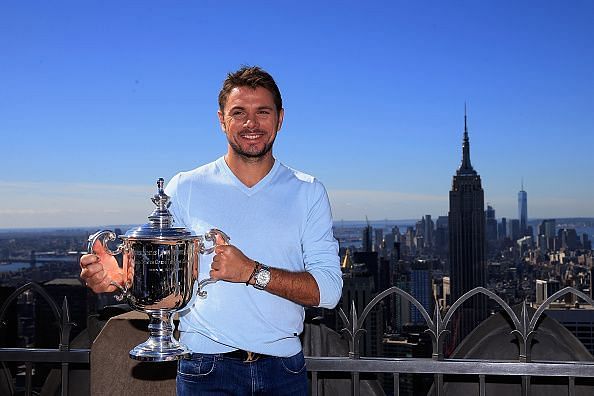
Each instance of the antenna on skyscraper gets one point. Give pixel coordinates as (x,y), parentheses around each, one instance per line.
(465,166)
(465,128)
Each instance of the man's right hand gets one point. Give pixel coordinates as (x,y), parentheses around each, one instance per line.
(98,270)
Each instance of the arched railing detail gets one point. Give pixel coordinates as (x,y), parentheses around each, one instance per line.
(62,316)
(524,327)
(438,354)
(354,326)
(555,297)
(401,293)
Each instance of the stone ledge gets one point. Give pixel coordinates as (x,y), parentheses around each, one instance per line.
(113,372)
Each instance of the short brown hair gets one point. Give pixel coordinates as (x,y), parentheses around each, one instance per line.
(253,77)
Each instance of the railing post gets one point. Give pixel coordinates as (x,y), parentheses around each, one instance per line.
(62,316)
(482,385)
(571,385)
(66,326)
(525,385)
(314,383)
(65,379)
(396,384)
(356,391)
(439,384)
(28,378)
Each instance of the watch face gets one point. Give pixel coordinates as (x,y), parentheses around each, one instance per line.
(262,278)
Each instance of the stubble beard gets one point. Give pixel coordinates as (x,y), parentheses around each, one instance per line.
(252,156)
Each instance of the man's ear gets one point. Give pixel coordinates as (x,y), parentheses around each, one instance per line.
(221,120)
(281,116)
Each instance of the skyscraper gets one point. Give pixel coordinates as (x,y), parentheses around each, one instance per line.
(441,234)
(428,233)
(491,230)
(367,238)
(379,239)
(421,288)
(502,229)
(467,243)
(513,231)
(523,210)
(546,235)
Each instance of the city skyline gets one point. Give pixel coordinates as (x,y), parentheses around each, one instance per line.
(93,94)
(467,242)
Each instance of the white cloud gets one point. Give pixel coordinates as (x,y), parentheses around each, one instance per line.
(42,204)
(377,205)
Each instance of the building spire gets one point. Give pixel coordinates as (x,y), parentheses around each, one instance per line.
(466,166)
(465,126)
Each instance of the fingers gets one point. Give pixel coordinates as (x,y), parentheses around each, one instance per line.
(226,250)
(90,270)
(95,276)
(220,249)
(104,286)
(88,259)
(230,264)
(215,268)
(98,247)
(219,240)
(97,279)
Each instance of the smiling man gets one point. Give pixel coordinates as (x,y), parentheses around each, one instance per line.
(245,333)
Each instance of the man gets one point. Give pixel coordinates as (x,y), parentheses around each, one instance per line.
(245,333)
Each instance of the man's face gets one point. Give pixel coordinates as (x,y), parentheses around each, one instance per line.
(250,120)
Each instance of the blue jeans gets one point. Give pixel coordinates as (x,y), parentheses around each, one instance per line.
(206,374)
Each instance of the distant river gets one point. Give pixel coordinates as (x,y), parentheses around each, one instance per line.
(12,267)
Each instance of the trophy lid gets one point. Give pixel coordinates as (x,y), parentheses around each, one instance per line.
(160,225)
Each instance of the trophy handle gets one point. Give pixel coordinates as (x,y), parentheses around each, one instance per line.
(211,236)
(104,236)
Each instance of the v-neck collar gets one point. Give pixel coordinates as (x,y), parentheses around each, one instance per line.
(249,191)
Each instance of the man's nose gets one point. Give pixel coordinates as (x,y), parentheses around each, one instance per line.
(251,122)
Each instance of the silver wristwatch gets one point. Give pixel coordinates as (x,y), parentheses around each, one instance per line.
(262,277)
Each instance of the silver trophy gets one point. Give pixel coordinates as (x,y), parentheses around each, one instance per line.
(160,266)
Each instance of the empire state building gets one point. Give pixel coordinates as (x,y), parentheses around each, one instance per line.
(466,223)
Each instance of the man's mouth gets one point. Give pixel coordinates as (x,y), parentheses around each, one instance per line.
(251,135)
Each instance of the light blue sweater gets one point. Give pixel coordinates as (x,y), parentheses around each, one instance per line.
(284,221)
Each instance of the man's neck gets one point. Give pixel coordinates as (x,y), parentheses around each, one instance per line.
(249,170)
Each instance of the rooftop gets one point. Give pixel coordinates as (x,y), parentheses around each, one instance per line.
(501,346)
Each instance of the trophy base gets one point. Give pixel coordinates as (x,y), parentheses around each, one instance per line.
(160,346)
(150,351)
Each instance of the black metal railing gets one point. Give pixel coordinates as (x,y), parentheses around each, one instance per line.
(524,327)
(474,369)
(62,355)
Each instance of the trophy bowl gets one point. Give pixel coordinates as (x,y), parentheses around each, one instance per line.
(160,267)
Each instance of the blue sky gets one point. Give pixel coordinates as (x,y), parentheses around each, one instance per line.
(98,99)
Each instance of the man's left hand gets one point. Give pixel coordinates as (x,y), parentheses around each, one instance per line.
(230,264)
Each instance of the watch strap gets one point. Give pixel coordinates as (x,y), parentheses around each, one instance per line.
(258,265)
(262,268)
